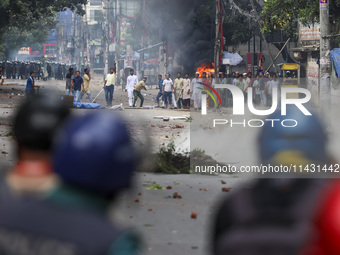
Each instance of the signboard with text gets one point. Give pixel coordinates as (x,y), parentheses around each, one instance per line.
(310,33)
(25,51)
(323,4)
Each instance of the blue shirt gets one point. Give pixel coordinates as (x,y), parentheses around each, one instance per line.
(77,83)
(29,84)
(160,85)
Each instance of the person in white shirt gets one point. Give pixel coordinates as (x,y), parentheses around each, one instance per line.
(131,82)
(235,80)
(168,88)
(246,85)
(268,91)
(109,86)
(178,84)
(196,86)
(186,92)
(272,83)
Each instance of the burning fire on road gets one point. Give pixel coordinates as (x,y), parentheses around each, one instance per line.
(208,68)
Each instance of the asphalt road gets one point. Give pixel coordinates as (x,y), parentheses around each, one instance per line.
(165,222)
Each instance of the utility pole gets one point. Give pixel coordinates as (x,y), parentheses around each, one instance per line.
(87,39)
(82,41)
(141,59)
(105,38)
(79,20)
(325,62)
(117,39)
(74,39)
(217,42)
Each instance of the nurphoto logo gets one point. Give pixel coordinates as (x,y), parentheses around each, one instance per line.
(239,105)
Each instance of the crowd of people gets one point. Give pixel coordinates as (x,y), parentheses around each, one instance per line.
(43,70)
(186,93)
(181,93)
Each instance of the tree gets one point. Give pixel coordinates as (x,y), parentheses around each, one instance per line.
(239,24)
(285,14)
(30,20)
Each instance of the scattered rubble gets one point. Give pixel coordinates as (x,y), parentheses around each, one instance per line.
(224,189)
(193,215)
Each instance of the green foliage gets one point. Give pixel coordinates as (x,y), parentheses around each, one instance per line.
(169,161)
(284,15)
(238,29)
(15,38)
(28,21)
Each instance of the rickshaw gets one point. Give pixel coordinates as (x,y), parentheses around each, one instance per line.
(291,77)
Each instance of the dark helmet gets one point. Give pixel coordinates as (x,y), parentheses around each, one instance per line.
(94,152)
(306,140)
(37,121)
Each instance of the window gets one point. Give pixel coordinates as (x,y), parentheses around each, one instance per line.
(96,2)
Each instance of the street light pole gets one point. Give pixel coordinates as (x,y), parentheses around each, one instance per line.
(325,62)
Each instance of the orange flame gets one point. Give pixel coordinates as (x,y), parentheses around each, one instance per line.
(208,68)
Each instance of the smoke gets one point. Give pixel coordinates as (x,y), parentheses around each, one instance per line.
(190,43)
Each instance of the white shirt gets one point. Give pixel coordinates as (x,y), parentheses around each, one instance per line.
(196,83)
(131,81)
(246,82)
(186,88)
(167,85)
(111,79)
(272,84)
(213,82)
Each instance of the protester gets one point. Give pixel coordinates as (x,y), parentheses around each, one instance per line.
(168,87)
(235,79)
(206,82)
(196,88)
(246,84)
(77,86)
(136,92)
(69,81)
(131,82)
(178,86)
(109,86)
(86,85)
(30,86)
(186,91)
(160,87)
(256,86)
(263,84)
(275,82)
(240,83)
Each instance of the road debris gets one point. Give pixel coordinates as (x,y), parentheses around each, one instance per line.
(193,215)
(224,189)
